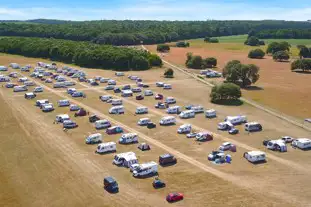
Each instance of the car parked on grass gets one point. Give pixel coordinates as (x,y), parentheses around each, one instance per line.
(233,131)
(139,97)
(157,183)
(174,197)
(158,97)
(78,94)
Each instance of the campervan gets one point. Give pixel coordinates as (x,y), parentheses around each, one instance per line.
(167,120)
(125,159)
(148,93)
(187,114)
(40,102)
(174,110)
(225,125)
(4,78)
(253,126)
(143,121)
(126,93)
(184,129)
(302,143)
(112,82)
(47,107)
(128,138)
(60,79)
(94,138)
(170,100)
(20,88)
(61,118)
(14,65)
(210,113)
(255,156)
(105,98)
(277,145)
(146,169)
(167,86)
(102,124)
(119,74)
(62,103)
(116,102)
(106,147)
(236,119)
(133,77)
(141,110)
(197,109)
(116,110)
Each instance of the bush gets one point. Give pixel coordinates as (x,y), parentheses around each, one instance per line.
(169,73)
(252,41)
(182,44)
(304,65)
(274,47)
(155,60)
(225,92)
(209,62)
(163,48)
(280,56)
(256,54)
(194,62)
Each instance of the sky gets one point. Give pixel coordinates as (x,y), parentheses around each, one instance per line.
(299,10)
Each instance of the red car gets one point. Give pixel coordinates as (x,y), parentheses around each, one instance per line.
(158,97)
(173,197)
(139,97)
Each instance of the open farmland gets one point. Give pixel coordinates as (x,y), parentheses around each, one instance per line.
(203,183)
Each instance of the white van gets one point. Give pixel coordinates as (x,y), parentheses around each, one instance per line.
(141,110)
(173,110)
(102,124)
(197,109)
(253,126)
(116,102)
(167,86)
(116,110)
(3,68)
(236,119)
(119,74)
(20,88)
(184,129)
(170,100)
(302,143)
(133,77)
(106,147)
(255,156)
(159,84)
(61,118)
(143,121)
(210,113)
(94,138)
(105,98)
(128,138)
(148,93)
(167,120)
(146,169)
(62,103)
(112,82)
(187,114)
(125,159)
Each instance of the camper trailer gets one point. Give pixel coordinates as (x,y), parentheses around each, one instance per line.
(94,138)
(184,129)
(126,93)
(174,110)
(277,145)
(235,120)
(128,138)
(253,126)
(187,114)
(170,100)
(23,79)
(116,110)
(146,169)
(141,110)
(167,120)
(210,113)
(20,88)
(302,143)
(105,98)
(14,65)
(3,68)
(104,80)
(107,147)
(255,156)
(143,121)
(62,103)
(102,124)
(197,109)
(61,118)
(125,159)
(116,102)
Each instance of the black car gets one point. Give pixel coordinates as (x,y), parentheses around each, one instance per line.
(94,83)
(126,87)
(158,183)
(111,185)
(117,90)
(93,118)
(167,159)
(151,125)
(145,86)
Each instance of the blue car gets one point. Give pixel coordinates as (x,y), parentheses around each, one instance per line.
(233,131)
(188,107)
(117,90)
(78,94)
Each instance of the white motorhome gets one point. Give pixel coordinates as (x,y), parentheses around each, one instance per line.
(116,110)
(197,109)
(148,93)
(170,100)
(167,120)
(255,156)
(146,169)
(210,113)
(116,102)
(133,77)
(14,65)
(20,88)
(278,145)
(128,138)
(126,93)
(102,124)
(106,147)
(106,98)
(4,78)
(159,84)
(94,138)
(184,129)
(253,126)
(69,83)
(61,118)
(173,110)
(236,119)
(125,159)
(187,114)
(62,103)
(141,110)
(143,121)
(302,143)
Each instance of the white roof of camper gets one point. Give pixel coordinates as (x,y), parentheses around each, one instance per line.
(30,94)
(63,116)
(106,144)
(95,135)
(143,119)
(42,100)
(101,121)
(126,154)
(210,110)
(129,157)
(174,107)
(127,91)
(64,100)
(234,117)
(168,117)
(303,140)
(147,164)
(117,107)
(256,153)
(142,107)
(185,125)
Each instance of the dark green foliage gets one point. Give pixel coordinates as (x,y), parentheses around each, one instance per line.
(274,47)
(225,92)
(280,56)
(290,33)
(163,48)
(241,74)
(304,52)
(182,44)
(256,54)
(81,53)
(261,42)
(304,65)
(169,73)
(197,62)
(209,62)
(252,41)
(211,40)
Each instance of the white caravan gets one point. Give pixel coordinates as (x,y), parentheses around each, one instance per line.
(146,169)
(106,147)
(105,98)
(3,68)
(197,109)
(170,100)
(277,145)
(126,93)
(23,79)
(167,120)
(173,110)
(255,156)
(159,84)
(102,124)
(20,88)
(210,113)
(302,143)
(128,138)
(116,102)
(187,114)
(94,138)
(143,121)
(116,110)
(236,119)
(141,110)
(125,159)
(61,118)
(148,93)
(62,103)
(184,129)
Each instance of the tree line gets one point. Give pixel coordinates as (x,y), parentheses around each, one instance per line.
(134,32)
(84,54)
(284,34)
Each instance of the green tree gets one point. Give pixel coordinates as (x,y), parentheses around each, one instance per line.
(252,41)
(169,73)
(194,62)
(182,44)
(225,92)
(155,60)
(280,56)
(163,48)
(304,65)
(209,62)
(256,54)
(274,47)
